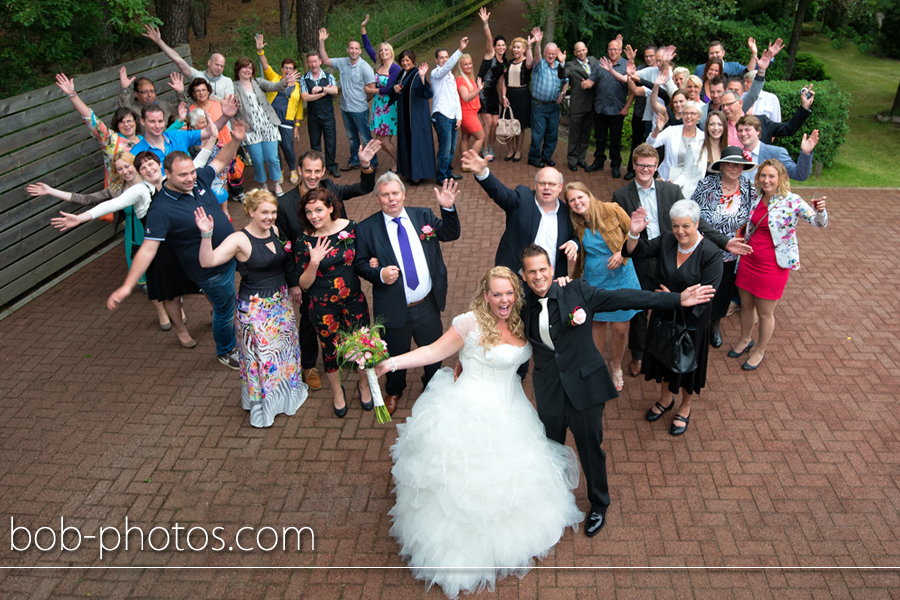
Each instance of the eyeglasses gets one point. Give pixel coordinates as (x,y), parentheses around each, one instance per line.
(645,167)
(730,103)
(546,183)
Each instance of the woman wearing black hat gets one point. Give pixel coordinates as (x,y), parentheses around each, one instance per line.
(725,199)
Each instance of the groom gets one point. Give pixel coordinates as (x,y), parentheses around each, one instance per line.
(571,381)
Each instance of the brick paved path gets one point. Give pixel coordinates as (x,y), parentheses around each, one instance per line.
(103,417)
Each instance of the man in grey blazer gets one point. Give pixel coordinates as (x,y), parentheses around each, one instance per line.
(656,197)
(581,104)
(748,130)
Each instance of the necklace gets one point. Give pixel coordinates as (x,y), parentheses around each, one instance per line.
(692,248)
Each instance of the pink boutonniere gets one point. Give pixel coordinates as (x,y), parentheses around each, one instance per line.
(577,317)
(345,237)
(286,245)
(427,233)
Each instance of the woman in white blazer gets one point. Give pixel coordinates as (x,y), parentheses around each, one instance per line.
(683,144)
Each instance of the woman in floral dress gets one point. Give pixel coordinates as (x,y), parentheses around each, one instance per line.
(336,299)
(383,121)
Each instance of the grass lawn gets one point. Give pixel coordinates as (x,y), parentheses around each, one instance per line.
(868,156)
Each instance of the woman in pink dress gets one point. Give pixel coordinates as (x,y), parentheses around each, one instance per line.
(762,275)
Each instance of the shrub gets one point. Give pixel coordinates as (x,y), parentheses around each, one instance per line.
(829,115)
(734,34)
(688,24)
(807,67)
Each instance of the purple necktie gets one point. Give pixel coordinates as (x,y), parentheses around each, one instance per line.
(409,265)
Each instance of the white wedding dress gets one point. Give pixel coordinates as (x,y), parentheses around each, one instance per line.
(480,489)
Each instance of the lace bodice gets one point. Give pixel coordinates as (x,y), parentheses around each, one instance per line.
(492,367)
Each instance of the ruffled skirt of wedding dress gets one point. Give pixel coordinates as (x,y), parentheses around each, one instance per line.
(480,489)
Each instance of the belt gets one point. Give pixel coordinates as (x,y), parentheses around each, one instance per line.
(542,102)
(419,302)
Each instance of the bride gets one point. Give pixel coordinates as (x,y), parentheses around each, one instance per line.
(480,489)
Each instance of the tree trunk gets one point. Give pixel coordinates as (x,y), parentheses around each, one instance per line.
(199,15)
(104,53)
(176,20)
(895,110)
(284,14)
(550,23)
(794,44)
(310,16)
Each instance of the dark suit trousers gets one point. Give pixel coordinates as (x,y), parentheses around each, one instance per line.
(423,324)
(579,136)
(608,128)
(309,345)
(587,429)
(637,331)
(324,128)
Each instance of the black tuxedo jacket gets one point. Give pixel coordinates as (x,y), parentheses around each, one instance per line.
(576,368)
(288,221)
(522,220)
(372,240)
(667,194)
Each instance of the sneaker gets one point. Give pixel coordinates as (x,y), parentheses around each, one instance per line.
(732,308)
(294,177)
(231,359)
(311,378)
(278,191)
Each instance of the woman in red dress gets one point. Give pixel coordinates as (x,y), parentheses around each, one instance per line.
(772,233)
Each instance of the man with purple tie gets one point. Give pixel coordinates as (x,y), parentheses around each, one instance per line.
(410,279)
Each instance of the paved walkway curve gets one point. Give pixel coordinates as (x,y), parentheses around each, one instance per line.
(794,465)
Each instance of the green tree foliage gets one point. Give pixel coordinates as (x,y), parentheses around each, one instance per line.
(688,24)
(41,37)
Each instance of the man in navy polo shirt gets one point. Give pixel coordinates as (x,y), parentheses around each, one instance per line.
(171,220)
(162,142)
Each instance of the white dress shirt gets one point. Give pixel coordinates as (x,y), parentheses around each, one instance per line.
(548,233)
(415,244)
(443,87)
(648,201)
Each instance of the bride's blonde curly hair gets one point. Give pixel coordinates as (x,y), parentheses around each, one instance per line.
(487,322)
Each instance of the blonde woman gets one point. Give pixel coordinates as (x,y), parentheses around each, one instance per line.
(383,122)
(478,483)
(469,89)
(601,228)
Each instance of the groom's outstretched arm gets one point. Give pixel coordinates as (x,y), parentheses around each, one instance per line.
(598,300)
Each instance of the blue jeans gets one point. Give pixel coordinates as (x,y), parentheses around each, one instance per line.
(265,156)
(220,291)
(544,130)
(356,125)
(446,135)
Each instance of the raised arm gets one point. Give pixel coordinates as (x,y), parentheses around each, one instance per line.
(225,156)
(68,88)
(235,245)
(261,53)
(323,35)
(447,345)
(484,15)
(658,107)
(153,34)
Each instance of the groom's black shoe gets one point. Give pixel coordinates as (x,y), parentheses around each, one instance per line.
(595,522)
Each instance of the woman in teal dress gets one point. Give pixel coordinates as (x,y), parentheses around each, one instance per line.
(383,121)
(601,228)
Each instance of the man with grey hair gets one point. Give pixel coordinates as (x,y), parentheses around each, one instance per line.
(547,92)
(409,279)
(532,216)
(220,85)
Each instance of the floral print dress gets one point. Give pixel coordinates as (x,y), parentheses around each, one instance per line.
(384,112)
(337,302)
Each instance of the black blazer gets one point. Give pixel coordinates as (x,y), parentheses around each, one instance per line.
(580,100)
(389,301)
(576,368)
(288,221)
(522,220)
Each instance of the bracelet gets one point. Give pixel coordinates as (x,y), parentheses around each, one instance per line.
(633,237)
(73,94)
(260,52)
(206,234)
(393,364)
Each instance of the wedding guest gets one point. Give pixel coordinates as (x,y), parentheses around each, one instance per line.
(547,93)
(355,75)
(711,71)
(491,72)
(267,334)
(288,104)
(469,89)
(197,120)
(733,108)
(407,300)
(683,144)
(222,86)
(317,88)
(515,93)
(446,112)
(581,104)
(748,129)
(684,258)
(336,300)
(724,198)
(383,122)
(415,142)
(600,228)
(717,51)
(638,134)
(763,275)
(715,141)
(610,107)
(145,94)
(767,104)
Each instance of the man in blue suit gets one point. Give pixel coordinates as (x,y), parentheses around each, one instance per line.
(410,280)
(748,129)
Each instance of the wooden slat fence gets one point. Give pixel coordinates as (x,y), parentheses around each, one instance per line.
(43,138)
(434,25)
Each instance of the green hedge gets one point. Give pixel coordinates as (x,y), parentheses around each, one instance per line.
(734,34)
(829,115)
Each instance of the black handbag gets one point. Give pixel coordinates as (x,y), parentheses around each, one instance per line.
(672,343)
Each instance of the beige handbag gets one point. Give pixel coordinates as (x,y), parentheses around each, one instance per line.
(509,127)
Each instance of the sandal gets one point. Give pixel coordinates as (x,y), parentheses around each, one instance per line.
(655,416)
(678,429)
(618,378)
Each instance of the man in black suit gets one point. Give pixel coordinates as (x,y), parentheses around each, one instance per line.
(581,103)
(532,216)
(657,197)
(571,381)
(312,169)
(410,279)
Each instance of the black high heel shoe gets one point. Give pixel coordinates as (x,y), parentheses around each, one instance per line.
(735,354)
(654,416)
(365,405)
(342,412)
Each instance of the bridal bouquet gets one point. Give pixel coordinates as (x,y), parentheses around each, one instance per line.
(364,349)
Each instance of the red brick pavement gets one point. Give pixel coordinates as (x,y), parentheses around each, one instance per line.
(795,465)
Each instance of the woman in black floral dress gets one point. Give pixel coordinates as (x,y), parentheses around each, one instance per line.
(337,302)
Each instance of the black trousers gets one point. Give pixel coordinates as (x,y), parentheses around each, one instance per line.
(423,324)
(579,136)
(309,344)
(324,128)
(587,429)
(608,129)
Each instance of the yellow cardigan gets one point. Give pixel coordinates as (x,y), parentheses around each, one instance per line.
(295,102)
